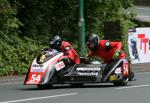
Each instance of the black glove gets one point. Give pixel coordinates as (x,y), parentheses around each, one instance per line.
(66,60)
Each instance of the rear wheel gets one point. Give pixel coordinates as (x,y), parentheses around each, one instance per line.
(122,82)
(48,86)
(132,77)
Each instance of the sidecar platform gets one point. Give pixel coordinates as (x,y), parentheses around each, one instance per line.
(84,73)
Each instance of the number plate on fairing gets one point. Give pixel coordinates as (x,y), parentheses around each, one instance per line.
(59,65)
(34,78)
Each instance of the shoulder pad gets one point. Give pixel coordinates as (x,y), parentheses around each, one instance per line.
(68,48)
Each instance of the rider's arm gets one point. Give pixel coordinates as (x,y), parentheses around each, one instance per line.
(69,53)
(116,45)
(90,54)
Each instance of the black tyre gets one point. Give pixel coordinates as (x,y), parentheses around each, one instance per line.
(122,82)
(49,86)
(132,77)
(76,85)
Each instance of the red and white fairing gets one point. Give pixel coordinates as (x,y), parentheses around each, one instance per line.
(37,71)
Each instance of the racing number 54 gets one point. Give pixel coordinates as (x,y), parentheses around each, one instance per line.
(35,78)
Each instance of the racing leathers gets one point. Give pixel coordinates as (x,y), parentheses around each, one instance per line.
(69,52)
(108,55)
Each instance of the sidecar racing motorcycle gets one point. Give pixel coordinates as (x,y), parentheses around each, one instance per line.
(49,68)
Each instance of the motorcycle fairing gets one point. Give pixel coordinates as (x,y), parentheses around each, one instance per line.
(40,72)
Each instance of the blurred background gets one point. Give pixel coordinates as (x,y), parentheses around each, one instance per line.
(26,26)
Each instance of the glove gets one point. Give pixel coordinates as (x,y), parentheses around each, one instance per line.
(86,56)
(84,59)
(116,54)
(66,60)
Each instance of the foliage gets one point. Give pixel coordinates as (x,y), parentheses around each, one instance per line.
(109,11)
(48,17)
(8,22)
(9,25)
(111,19)
(17,54)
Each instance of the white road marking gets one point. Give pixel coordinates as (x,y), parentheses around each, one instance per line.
(138,86)
(12,79)
(37,98)
(142,73)
(142,16)
(9,83)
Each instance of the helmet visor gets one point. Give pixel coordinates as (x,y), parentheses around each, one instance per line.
(90,45)
(52,42)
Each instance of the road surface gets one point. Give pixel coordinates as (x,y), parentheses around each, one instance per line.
(136,92)
(143,13)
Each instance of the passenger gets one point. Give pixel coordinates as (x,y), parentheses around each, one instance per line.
(106,50)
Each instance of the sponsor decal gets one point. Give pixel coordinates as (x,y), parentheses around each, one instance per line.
(118,70)
(88,74)
(88,69)
(113,78)
(125,68)
(37,70)
(42,58)
(59,65)
(37,65)
(34,79)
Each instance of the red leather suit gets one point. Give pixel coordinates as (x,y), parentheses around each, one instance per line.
(107,56)
(70,52)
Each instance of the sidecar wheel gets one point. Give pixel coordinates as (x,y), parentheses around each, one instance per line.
(122,82)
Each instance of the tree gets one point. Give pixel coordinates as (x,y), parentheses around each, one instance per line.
(48,17)
(8,22)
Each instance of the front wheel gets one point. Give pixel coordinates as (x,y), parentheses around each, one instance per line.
(49,86)
(122,82)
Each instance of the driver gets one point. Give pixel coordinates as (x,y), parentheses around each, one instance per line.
(63,46)
(105,49)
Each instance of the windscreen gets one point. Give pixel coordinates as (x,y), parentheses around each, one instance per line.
(46,55)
